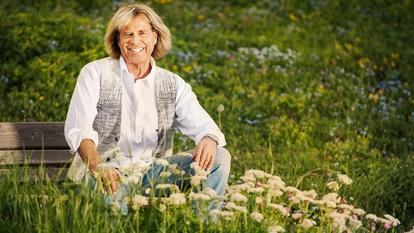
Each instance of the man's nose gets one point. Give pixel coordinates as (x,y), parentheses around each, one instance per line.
(136,39)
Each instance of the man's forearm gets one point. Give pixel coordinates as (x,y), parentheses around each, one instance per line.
(89,154)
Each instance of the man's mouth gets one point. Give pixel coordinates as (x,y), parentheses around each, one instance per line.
(136,50)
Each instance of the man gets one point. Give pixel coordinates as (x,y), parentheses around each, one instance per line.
(124,109)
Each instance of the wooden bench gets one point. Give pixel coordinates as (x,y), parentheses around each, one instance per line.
(34,145)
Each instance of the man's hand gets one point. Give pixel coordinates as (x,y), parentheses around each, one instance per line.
(107,177)
(205,153)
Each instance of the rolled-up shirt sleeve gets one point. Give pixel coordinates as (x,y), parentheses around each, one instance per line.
(82,109)
(192,120)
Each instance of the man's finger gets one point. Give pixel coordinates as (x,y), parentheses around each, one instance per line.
(212,160)
(197,153)
(203,158)
(207,157)
(207,161)
(107,184)
(112,183)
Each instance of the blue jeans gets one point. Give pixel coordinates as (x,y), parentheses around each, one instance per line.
(217,179)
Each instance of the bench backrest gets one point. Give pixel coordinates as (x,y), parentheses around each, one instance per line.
(34,144)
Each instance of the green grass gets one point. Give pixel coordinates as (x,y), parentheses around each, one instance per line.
(340,100)
(41,205)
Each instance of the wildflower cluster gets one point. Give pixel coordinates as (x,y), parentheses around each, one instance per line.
(265,199)
(267,58)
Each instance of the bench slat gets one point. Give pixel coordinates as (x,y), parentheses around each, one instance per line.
(32,135)
(35,157)
(57,174)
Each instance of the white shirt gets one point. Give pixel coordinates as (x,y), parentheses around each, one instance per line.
(139,117)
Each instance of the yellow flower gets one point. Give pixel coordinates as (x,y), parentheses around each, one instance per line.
(200,17)
(395,56)
(187,68)
(373,97)
(363,62)
(338,46)
(164,1)
(293,17)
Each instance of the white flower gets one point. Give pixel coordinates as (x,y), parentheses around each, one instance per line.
(196,180)
(331,199)
(259,174)
(330,204)
(275,182)
(273,193)
(339,221)
(199,196)
(297,215)
(233,206)
(372,217)
(238,197)
(210,192)
(162,207)
(358,211)
(178,198)
(258,201)
(165,174)
(198,170)
(226,214)
(258,217)
(307,223)
(132,179)
(239,187)
(345,207)
(256,190)
(300,196)
(354,223)
(219,213)
(344,179)
(310,193)
(220,108)
(275,179)
(283,210)
(162,162)
(395,221)
(294,200)
(147,191)
(290,189)
(168,186)
(139,201)
(275,229)
(248,178)
(214,212)
(333,186)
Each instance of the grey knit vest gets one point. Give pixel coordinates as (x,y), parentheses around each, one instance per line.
(108,120)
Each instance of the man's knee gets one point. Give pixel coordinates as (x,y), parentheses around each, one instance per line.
(223,157)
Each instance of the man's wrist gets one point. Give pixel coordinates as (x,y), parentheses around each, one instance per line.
(213,137)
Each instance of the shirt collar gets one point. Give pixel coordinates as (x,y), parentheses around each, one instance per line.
(149,77)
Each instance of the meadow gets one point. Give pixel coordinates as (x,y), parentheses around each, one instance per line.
(305,92)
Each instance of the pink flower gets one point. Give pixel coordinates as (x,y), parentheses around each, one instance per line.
(373,227)
(388,225)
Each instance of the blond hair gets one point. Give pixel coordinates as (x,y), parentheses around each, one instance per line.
(123,16)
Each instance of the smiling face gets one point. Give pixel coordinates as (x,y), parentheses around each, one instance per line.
(137,41)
